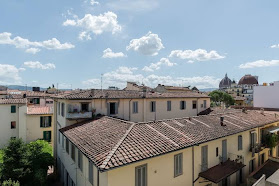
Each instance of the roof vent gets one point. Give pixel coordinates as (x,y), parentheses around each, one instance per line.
(222,121)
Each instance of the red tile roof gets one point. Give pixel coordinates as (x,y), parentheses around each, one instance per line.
(110,142)
(129,94)
(32,110)
(13,101)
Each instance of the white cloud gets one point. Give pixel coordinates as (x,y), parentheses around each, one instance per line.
(32,50)
(260,63)
(156,66)
(274,46)
(69,22)
(135,5)
(196,55)
(93,2)
(84,36)
(108,53)
(150,44)
(9,74)
(120,76)
(106,22)
(38,65)
(19,42)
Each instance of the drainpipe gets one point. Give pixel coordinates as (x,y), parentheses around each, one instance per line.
(98,179)
(130,109)
(193,166)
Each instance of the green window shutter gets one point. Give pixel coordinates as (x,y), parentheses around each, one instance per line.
(38,100)
(49,120)
(41,121)
(49,136)
(44,135)
(13,109)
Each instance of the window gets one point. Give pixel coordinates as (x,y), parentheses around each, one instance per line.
(239,142)
(204,103)
(90,172)
(135,107)
(178,168)
(194,103)
(36,100)
(201,105)
(112,108)
(45,121)
(59,136)
(262,158)
(182,105)
(153,106)
(47,136)
(253,138)
(73,152)
(13,125)
(251,166)
(63,143)
(67,146)
(204,158)
(141,175)
(58,105)
(85,107)
(63,109)
(80,160)
(217,152)
(168,105)
(13,109)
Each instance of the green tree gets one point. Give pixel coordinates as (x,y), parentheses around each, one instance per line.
(218,97)
(40,157)
(10,183)
(15,164)
(27,163)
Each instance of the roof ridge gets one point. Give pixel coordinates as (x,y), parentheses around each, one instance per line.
(114,149)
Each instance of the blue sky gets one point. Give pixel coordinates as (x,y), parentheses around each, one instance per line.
(169,42)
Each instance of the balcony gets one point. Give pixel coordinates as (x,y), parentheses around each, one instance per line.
(256,148)
(79,115)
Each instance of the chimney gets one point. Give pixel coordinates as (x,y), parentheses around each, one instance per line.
(144,90)
(262,111)
(222,121)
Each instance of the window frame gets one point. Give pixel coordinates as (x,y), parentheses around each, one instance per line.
(182,105)
(73,152)
(152,106)
(67,145)
(136,175)
(240,143)
(63,109)
(45,134)
(169,105)
(13,108)
(43,121)
(80,160)
(90,172)
(135,107)
(178,165)
(13,126)
(194,102)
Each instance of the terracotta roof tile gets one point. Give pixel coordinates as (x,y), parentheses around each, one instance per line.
(39,110)
(13,101)
(111,142)
(96,93)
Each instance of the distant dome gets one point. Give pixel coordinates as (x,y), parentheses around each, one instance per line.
(248,80)
(225,82)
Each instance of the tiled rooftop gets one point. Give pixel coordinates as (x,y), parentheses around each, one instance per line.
(96,93)
(13,101)
(39,110)
(111,143)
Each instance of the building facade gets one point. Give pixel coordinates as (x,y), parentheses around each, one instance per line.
(267,96)
(217,149)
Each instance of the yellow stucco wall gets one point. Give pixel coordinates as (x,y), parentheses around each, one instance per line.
(33,129)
